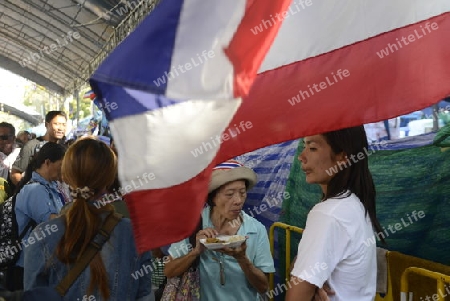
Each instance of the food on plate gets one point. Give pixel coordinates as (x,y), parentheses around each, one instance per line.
(213,240)
(236,238)
(221,241)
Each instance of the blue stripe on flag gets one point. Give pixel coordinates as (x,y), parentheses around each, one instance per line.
(144,46)
(118,102)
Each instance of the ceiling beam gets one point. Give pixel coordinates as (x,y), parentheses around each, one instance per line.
(120,33)
(33,119)
(16,68)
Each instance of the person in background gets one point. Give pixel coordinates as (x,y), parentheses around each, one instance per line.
(22,138)
(332,249)
(55,123)
(159,280)
(7,138)
(8,149)
(37,197)
(89,167)
(114,195)
(227,274)
(69,142)
(5,190)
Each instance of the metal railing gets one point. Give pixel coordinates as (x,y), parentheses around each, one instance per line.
(440,278)
(288,229)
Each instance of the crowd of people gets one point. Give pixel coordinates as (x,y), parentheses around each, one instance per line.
(58,185)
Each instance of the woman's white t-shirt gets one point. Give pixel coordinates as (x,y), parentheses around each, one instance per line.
(338,246)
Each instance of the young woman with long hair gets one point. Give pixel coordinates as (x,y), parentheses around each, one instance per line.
(334,248)
(89,167)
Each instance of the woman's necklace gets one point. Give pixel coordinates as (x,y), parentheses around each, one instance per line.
(221,266)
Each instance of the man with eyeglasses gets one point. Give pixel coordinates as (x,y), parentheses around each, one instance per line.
(7,138)
(8,154)
(8,150)
(55,122)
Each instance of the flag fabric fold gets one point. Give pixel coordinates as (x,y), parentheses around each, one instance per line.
(169,91)
(175,91)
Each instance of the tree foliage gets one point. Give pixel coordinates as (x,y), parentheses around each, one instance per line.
(43,100)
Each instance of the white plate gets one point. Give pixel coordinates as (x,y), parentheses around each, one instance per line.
(237,240)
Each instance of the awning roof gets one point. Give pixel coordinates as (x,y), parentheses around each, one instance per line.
(52,42)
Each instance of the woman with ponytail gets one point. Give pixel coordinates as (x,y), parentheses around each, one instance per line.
(117,272)
(336,250)
(37,197)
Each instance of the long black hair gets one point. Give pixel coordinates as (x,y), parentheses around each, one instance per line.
(51,151)
(356,175)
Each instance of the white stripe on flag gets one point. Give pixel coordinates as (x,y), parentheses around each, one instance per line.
(201,46)
(163,141)
(342,23)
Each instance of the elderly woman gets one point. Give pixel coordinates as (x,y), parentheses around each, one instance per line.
(227,274)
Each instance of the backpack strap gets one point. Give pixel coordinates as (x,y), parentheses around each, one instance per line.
(89,253)
(32,223)
(30,226)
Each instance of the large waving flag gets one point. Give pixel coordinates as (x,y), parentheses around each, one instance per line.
(341,63)
(175,81)
(171,89)
(337,64)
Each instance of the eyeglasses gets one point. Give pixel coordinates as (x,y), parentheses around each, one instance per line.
(5,137)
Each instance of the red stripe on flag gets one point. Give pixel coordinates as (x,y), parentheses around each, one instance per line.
(247,50)
(163,216)
(409,79)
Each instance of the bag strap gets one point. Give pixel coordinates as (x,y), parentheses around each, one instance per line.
(89,253)
(31,224)
(192,241)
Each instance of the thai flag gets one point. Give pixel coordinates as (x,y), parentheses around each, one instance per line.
(172,86)
(172,89)
(89,94)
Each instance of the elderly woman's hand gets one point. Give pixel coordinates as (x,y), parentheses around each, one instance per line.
(204,233)
(237,253)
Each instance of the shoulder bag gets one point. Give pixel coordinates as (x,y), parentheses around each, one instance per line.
(185,287)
